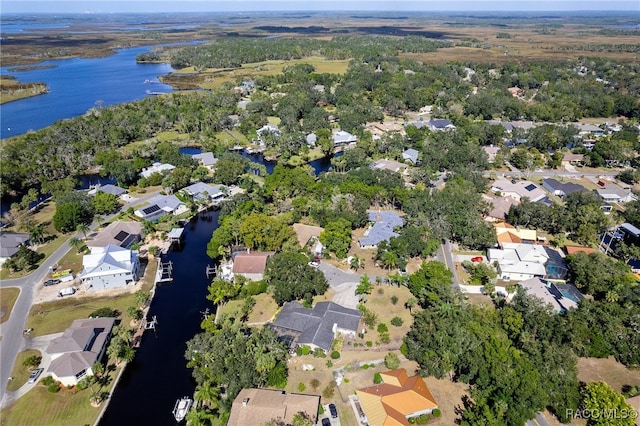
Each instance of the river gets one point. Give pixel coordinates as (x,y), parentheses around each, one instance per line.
(158,375)
(77,85)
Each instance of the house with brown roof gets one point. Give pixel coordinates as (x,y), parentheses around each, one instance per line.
(256,407)
(74,354)
(397,399)
(251,264)
(571,250)
(121,233)
(305,233)
(506,233)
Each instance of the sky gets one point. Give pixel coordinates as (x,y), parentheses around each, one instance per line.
(146,6)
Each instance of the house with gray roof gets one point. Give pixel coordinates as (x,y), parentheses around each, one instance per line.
(560,297)
(160,206)
(411,155)
(108,189)
(612,193)
(10,243)
(343,138)
(561,189)
(315,327)
(381,228)
(74,354)
(440,125)
(201,192)
(205,159)
(120,233)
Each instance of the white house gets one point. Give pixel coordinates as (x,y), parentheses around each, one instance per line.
(110,267)
(411,155)
(440,125)
(160,206)
(157,168)
(205,159)
(612,193)
(519,262)
(74,354)
(343,138)
(518,189)
(10,243)
(205,193)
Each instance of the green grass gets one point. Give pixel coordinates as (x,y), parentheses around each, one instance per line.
(20,373)
(67,407)
(8,297)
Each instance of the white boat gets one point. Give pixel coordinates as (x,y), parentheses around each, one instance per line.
(182,408)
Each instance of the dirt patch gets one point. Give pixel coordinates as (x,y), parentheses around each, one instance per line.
(607,370)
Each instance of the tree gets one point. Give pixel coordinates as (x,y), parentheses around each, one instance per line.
(337,237)
(104,203)
(72,209)
(76,243)
(391,361)
(364,287)
(607,406)
(431,284)
(289,277)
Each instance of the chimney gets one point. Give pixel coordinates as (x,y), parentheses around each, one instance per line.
(245,401)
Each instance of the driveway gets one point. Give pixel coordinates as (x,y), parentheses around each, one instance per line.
(343,284)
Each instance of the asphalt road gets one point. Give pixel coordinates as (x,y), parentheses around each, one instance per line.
(539,420)
(12,340)
(444,255)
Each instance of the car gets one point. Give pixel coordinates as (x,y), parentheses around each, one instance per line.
(333,410)
(34,375)
(314,264)
(51,282)
(477,259)
(326,422)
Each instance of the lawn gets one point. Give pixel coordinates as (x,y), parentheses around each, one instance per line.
(379,301)
(607,370)
(8,297)
(264,309)
(66,407)
(20,373)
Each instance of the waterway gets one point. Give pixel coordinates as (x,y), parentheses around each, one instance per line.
(77,85)
(158,376)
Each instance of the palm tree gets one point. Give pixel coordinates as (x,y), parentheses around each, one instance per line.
(84,228)
(411,302)
(36,233)
(76,243)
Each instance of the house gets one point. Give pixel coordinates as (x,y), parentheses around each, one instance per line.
(74,354)
(391,165)
(491,151)
(589,129)
(306,233)
(110,267)
(156,167)
(205,159)
(518,189)
(343,138)
(440,125)
(517,262)
(612,193)
(383,224)
(258,407)
(396,400)
(561,189)
(561,297)
(10,243)
(121,234)
(411,155)
(250,265)
(315,327)
(506,233)
(160,206)
(499,207)
(571,250)
(571,159)
(630,234)
(108,189)
(201,192)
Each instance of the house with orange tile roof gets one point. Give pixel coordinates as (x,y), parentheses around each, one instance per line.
(397,399)
(506,233)
(570,250)
(251,264)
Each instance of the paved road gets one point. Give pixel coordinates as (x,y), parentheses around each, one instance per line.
(343,283)
(539,420)
(444,255)
(12,339)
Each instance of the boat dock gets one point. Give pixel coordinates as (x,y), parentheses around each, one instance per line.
(163,273)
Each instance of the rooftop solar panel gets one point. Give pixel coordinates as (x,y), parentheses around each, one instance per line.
(151,209)
(530,187)
(121,236)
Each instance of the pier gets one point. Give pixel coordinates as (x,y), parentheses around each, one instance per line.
(164,272)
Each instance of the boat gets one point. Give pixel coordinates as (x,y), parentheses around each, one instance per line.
(182,408)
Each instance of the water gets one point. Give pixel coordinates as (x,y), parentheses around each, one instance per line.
(77,85)
(158,376)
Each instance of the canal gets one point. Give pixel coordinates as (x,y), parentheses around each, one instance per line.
(158,375)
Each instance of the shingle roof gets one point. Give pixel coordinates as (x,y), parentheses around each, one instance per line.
(411,155)
(566,187)
(305,232)
(197,190)
(10,243)
(205,158)
(316,326)
(251,263)
(114,233)
(256,407)
(440,124)
(382,230)
(156,168)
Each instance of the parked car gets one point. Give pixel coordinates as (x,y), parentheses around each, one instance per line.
(326,422)
(67,291)
(34,375)
(314,264)
(51,282)
(477,259)
(333,410)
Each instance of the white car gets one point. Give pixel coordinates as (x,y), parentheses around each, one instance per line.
(34,375)
(314,264)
